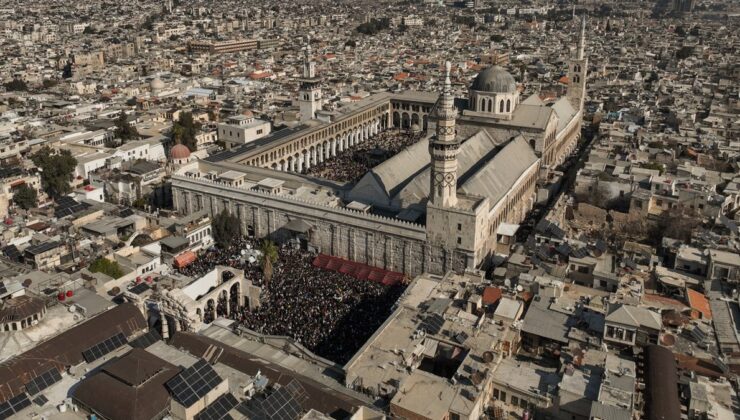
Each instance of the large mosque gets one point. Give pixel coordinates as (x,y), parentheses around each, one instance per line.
(450,201)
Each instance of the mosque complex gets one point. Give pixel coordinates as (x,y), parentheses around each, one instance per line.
(450,201)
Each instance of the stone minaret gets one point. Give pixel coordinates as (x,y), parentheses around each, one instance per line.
(577,71)
(443,148)
(309,95)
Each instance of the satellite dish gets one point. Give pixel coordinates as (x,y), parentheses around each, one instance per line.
(244,252)
(507,283)
(476,378)
(487,356)
(519,288)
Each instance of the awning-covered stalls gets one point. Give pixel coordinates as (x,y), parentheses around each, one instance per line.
(357,270)
(184,259)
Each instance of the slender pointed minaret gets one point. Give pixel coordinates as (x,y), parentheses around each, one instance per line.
(309,94)
(443,148)
(577,70)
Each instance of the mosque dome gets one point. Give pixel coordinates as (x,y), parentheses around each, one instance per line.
(494,79)
(248,114)
(180,152)
(156,84)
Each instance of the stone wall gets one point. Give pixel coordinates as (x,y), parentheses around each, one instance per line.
(371,239)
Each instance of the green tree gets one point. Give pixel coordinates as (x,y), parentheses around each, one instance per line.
(25,197)
(50,83)
(269,256)
(16,85)
(57,168)
(124,130)
(106,266)
(225,229)
(184,131)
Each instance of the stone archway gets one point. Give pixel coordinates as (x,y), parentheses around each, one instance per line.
(209,312)
(234,299)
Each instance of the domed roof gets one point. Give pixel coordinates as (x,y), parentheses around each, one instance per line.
(156,83)
(180,151)
(248,114)
(494,79)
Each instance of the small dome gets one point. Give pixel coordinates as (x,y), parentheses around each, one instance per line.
(494,79)
(156,84)
(248,114)
(180,151)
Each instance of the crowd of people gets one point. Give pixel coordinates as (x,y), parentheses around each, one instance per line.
(329,313)
(351,164)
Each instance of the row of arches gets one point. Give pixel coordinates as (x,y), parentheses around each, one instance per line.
(303,159)
(350,130)
(407,121)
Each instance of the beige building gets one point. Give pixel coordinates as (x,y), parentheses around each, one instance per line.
(242,129)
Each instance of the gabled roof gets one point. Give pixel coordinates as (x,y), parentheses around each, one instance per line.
(496,177)
(635,316)
(564,111)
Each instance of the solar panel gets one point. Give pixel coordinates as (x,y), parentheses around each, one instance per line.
(219,409)
(14,405)
(40,400)
(104,347)
(193,383)
(146,340)
(139,288)
(281,405)
(43,381)
(433,324)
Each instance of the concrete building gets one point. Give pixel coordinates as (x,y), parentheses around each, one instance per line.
(242,129)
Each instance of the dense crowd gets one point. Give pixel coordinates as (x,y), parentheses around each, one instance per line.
(329,313)
(351,164)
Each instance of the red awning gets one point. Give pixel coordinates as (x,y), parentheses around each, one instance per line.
(185,259)
(357,270)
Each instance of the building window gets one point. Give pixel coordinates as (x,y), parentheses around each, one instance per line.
(459,240)
(459,226)
(514,401)
(259,131)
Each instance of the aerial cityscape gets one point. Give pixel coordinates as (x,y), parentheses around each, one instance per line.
(416,209)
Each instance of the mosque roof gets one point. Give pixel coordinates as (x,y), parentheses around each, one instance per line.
(494,79)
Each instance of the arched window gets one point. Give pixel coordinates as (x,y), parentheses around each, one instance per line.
(577,68)
(508,105)
(490,105)
(576,79)
(501,106)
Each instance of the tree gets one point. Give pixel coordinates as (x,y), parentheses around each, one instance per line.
(680,31)
(107,267)
(49,83)
(25,197)
(225,229)
(684,52)
(57,168)
(269,256)
(88,30)
(184,131)
(694,31)
(16,85)
(124,130)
